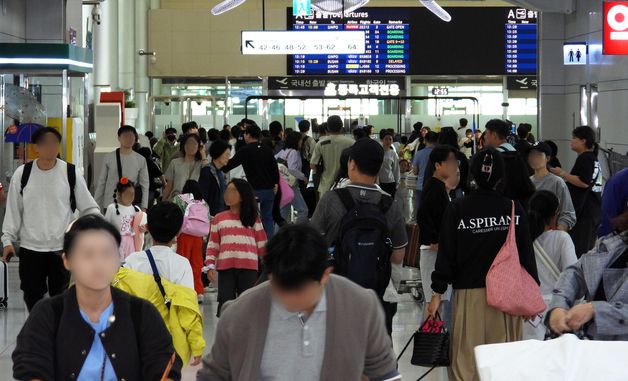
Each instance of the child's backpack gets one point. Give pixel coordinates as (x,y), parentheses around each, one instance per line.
(196,217)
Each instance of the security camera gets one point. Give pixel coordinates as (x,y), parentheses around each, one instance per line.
(96,14)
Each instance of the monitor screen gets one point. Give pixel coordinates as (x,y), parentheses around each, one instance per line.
(413,41)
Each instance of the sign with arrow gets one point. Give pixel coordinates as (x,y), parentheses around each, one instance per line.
(303,42)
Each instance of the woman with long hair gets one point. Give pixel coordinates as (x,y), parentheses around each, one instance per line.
(474,229)
(290,156)
(585,186)
(184,168)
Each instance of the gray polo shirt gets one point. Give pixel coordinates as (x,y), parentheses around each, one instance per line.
(295,346)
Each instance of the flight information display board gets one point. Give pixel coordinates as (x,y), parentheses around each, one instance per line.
(413,41)
(387,44)
(521,48)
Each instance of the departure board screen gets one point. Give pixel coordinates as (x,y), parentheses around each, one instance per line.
(413,41)
(387,44)
(521,53)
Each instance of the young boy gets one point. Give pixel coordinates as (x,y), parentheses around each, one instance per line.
(164,222)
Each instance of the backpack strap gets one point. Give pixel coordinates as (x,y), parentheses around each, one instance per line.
(72,182)
(26,174)
(153,266)
(346,198)
(119,163)
(544,258)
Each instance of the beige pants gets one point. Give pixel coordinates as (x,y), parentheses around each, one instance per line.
(475,323)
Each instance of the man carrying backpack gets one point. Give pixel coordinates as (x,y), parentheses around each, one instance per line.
(364,227)
(43,197)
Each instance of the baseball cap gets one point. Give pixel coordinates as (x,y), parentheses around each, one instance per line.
(541,147)
(368,155)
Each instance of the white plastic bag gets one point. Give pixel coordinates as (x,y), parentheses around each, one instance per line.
(564,359)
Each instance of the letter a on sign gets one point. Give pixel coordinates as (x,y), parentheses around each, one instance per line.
(301,7)
(615,27)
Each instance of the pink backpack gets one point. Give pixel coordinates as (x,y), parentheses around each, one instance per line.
(509,287)
(196,219)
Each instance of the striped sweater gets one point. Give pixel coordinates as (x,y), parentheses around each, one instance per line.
(233,246)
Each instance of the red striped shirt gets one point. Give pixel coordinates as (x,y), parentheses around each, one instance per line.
(234,246)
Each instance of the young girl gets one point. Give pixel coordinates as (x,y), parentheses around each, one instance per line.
(236,242)
(554,251)
(195,229)
(127,217)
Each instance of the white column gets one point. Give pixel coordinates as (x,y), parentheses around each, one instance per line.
(105,47)
(141,64)
(126,44)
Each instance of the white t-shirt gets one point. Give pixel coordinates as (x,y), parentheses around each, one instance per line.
(124,220)
(171,266)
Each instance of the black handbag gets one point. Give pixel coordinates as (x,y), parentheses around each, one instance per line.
(431,345)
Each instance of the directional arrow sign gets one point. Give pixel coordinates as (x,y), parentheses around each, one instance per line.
(303,42)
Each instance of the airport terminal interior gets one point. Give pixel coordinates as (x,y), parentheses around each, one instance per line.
(298,190)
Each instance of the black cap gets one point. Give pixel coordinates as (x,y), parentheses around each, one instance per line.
(368,156)
(541,147)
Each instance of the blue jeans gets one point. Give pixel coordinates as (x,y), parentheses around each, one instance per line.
(266,197)
(299,205)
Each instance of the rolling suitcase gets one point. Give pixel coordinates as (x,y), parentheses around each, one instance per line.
(4,285)
(412,250)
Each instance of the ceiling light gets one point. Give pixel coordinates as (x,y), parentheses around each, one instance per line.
(226,6)
(336,6)
(436,9)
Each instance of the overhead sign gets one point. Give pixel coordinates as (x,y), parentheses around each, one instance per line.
(528,82)
(303,42)
(301,7)
(337,86)
(615,27)
(575,53)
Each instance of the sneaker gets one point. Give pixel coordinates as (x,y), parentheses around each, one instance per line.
(200,298)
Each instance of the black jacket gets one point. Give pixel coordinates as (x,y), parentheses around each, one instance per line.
(212,194)
(55,341)
(259,165)
(473,231)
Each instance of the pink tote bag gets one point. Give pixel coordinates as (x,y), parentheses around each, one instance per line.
(509,287)
(287,194)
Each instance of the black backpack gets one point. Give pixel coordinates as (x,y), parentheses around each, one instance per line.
(363,247)
(26,174)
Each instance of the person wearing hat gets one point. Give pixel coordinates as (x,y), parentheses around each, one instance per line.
(539,156)
(365,160)
(473,231)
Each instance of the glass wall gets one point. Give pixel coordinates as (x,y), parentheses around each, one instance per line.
(225,103)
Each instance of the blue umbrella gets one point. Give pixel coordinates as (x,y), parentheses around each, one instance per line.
(22,134)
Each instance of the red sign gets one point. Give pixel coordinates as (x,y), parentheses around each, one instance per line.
(615,27)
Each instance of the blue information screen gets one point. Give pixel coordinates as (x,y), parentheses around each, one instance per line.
(387,45)
(521,45)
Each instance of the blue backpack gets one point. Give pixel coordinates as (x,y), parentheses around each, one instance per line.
(363,248)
